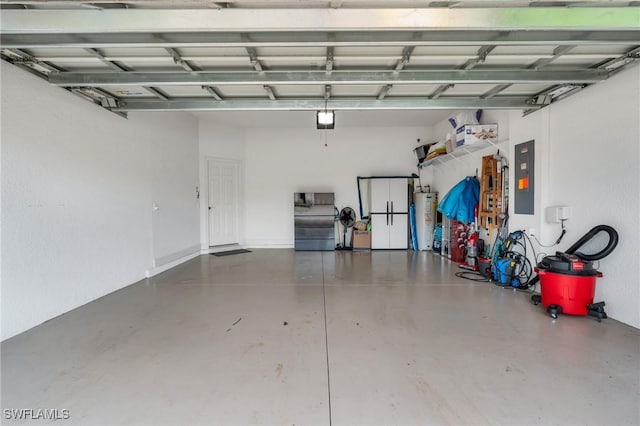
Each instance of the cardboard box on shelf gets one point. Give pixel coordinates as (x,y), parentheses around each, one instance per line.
(450,145)
(471,134)
(361,240)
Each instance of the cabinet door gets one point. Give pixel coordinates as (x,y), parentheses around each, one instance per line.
(398,231)
(379,195)
(379,231)
(398,195)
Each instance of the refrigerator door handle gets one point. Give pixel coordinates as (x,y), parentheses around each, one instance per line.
(387,213)
(392,213)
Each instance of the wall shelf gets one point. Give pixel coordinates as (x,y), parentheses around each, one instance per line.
(459,152)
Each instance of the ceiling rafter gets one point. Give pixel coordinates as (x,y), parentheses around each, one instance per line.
(301,19)
(406,57)
(156,92)
(301,45)
(327,92)
(384,91)
(213,92)
(329,60)
(318,58)
(363,38)
(114,65)
(180,61)
(27,61)
(69,79)
(270,92)
(481,56)
(331,3)
(253,58)
(537,65)
(559,92)
(319,104)
(629,57)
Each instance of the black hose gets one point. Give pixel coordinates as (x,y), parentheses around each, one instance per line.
(613,242)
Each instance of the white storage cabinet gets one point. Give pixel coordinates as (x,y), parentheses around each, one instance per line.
(389,213)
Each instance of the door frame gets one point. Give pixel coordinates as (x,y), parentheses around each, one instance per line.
(238,164)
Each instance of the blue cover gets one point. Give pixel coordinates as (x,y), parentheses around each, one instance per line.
(412,222)
(460,202)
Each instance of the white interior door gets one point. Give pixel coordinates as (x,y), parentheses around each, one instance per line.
(223,201)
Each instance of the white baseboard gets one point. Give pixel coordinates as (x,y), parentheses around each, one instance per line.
(164,263)
(269,244)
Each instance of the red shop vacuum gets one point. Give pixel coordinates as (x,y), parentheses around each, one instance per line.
(568,279)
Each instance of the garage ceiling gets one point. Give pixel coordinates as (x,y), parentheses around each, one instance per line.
(201,55)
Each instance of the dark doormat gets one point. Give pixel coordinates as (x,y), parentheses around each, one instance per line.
(227,253)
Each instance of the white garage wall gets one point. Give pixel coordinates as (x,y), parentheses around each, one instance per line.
(594,158)
(279,162)
(587,157)
(173,150)
(78,184)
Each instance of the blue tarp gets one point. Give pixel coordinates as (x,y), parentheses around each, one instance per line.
(460,202)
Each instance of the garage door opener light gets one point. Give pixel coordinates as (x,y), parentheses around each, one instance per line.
(325,119)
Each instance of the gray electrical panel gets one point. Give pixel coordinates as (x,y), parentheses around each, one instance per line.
(524,164)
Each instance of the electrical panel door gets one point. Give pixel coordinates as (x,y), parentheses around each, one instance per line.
(524,182)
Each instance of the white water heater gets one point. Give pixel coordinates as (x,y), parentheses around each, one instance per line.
(426,204)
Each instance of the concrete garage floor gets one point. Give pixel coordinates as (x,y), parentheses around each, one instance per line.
(284,337)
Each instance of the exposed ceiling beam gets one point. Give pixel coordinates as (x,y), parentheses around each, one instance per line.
(495,90)
(213,92)
(156,92)
(69,79)
(515,58)
(267,3)
(270,92)
(406,57)
(320,39)
(327,92)
(111,64)
(329,60)
(318,104)
(29,62)
(120,68)
(540,63)
(180,61)
(557,52)
(247,20)
(440,90)
(253,58)
(383,92)
(620,62)
(562,91)
(481,56)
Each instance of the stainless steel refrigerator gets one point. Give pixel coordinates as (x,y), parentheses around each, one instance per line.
(314,220)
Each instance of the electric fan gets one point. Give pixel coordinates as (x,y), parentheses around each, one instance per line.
(347,218)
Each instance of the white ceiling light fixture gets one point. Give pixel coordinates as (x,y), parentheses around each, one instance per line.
(325,119)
